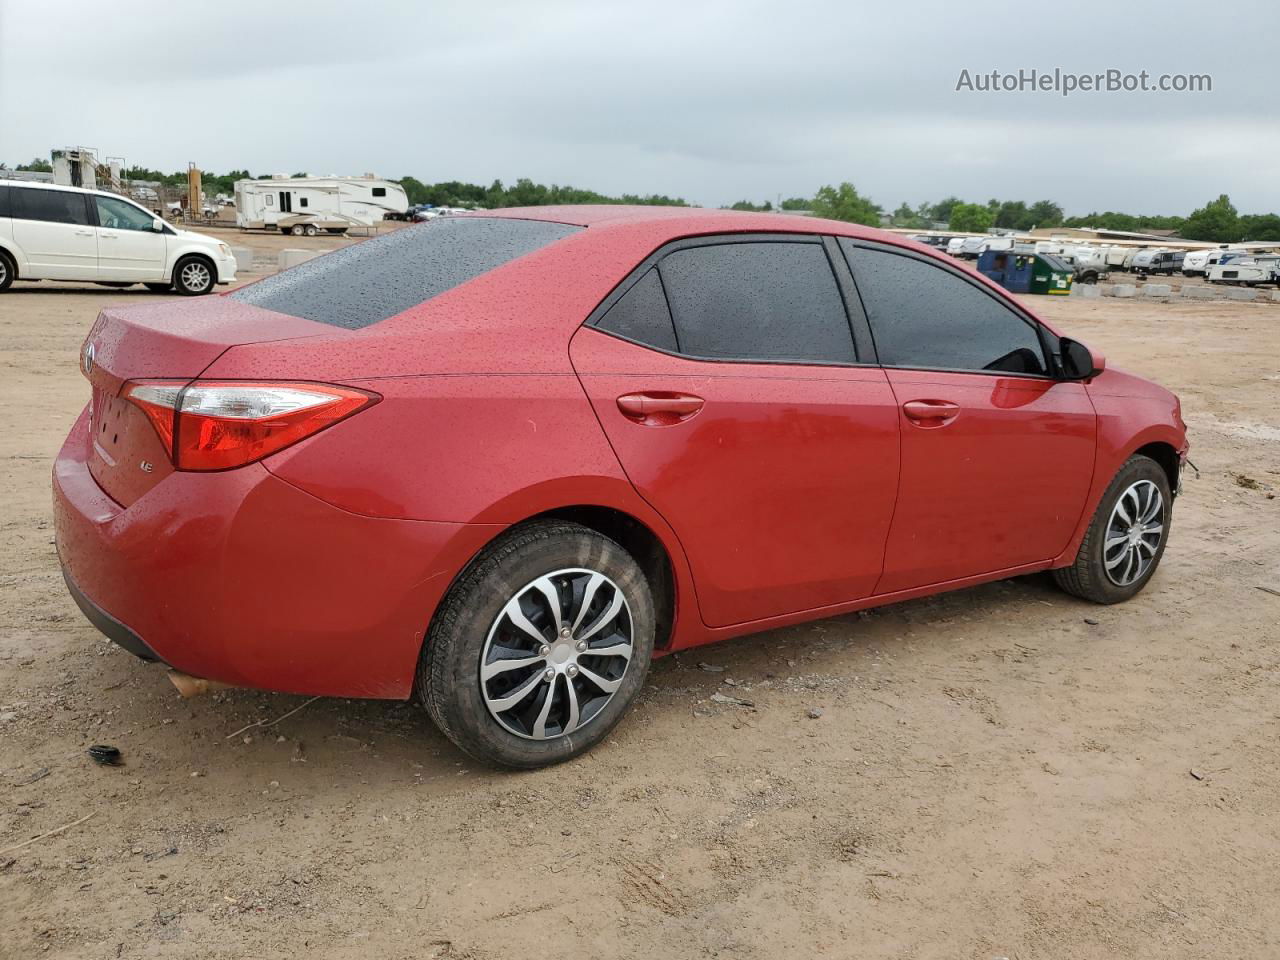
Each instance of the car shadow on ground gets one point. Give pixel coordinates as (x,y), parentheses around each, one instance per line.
(39,287)
(251,735)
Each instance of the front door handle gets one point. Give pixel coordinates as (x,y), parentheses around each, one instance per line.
(84,233)
(659,408)
(931,413)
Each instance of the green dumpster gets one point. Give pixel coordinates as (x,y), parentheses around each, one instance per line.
(1051,275)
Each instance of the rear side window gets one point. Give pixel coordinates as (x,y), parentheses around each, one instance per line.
(366,282)
(50,206)
(4,201)
(923,316)
(766,301)
(642,315)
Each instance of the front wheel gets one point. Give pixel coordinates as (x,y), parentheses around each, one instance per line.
(7,272)
(193,276)
(540,647)
(1126,538)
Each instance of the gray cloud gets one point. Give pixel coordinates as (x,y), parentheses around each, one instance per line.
(713,101)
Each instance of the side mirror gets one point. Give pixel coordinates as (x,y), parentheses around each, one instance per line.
(157,225)
(1078,361)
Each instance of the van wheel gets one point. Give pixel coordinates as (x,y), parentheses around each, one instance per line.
(1125,539)
(193,276)
(540,647)
(7,272)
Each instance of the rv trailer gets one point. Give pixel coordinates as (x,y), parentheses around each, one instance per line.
(308,205)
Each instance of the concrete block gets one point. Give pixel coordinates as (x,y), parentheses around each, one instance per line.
(1275,296)
(244,259)
(1123,290)
(1197,293)
(1241,293)
(1155,290)
(1086,290)
(291,258)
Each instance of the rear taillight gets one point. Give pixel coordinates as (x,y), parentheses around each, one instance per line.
(216,425)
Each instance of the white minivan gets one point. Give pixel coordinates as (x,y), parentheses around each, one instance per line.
(49,232)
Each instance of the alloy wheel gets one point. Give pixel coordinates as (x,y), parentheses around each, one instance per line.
(1134,532)
(195,276)
(556,654)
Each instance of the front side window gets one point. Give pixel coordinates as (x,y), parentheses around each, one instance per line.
(770,301)
(50,206)
(924,316)
(118,215)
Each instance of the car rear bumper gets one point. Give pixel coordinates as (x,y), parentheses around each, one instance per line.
(243,578)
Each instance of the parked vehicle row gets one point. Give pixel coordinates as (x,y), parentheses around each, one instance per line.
(50,232)
(647,430)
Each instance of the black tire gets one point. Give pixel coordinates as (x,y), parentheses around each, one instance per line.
(194,276)
(1087,577)
(311,230)
(448,680)
(8,271)
(159,287)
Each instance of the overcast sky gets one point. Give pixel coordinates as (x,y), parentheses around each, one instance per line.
(711,101)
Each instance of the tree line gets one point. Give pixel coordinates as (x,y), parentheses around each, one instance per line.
(1217,221)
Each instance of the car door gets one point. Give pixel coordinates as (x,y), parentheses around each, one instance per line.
(997,454)
(53,229)
(129,249)
(725,375)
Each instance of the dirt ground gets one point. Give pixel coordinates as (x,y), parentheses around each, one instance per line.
(999,772)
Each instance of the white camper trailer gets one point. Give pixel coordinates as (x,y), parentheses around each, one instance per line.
(307,205)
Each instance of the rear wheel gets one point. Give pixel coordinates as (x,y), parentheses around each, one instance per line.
(193,276)
(311,230)
(297,230)
(540,647)
(1125,539)
(7,272)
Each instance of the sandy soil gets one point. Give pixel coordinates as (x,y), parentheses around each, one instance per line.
(1000,772)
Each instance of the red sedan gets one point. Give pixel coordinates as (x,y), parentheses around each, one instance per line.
(502,461)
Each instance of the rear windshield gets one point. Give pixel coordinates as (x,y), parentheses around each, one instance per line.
(370,281)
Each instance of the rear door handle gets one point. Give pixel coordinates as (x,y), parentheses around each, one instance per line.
(931,413)
(84,233)
(659,408)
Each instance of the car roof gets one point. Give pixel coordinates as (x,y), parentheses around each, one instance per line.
(40,185)
(691,221)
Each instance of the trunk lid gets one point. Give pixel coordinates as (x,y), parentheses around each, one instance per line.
(176,340)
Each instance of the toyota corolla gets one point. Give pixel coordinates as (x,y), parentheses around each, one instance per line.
(501,461)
